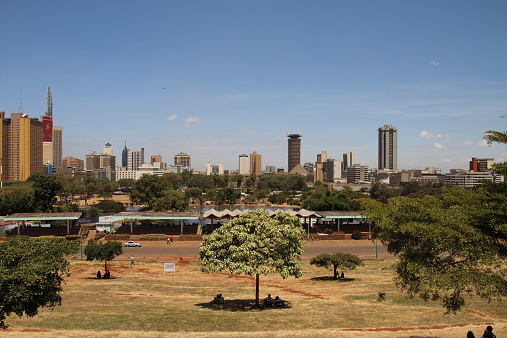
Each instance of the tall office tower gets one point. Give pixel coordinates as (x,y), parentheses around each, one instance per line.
(349,159)
(57,146)
(243,164)
(134,159)
(322,157)
(20,146)
(124,156)
(108,149)
(294,151)
(256,163)
(387,148)
(182,160)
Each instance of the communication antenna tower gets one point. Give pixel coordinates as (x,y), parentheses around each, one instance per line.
(49,112)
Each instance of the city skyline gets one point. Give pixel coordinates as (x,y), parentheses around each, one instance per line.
(219,79)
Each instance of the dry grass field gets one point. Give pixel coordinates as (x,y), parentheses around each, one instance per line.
(143,302)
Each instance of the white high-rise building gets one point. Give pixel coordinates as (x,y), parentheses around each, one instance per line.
(108,149)
(135,158)
(244,164)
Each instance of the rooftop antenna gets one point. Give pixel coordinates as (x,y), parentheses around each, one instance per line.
(49,112)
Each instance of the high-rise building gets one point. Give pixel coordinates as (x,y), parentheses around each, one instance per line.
(125,156)
(108,149)
(243,164)
(387,148)
(20,146)
(349,159)
(135,158)
(52,147)
(255,163)
(57,146)
(294,151)
(182,160)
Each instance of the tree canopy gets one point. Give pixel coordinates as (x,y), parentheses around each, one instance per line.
(448,247)
(31,274)
(343,261)
(255,244)
(102,251)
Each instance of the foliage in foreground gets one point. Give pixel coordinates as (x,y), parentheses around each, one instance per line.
(254,244)
(449,247)
(343,261)
(31,274)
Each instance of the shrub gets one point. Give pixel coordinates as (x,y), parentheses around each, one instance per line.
(356,234)
(328,231)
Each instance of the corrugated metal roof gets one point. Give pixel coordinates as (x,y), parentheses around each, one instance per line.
(43,216)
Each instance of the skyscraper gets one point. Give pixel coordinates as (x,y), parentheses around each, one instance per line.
(349,159)
(124,156)
(20,146)
(387,148)
(294,151)
(255,163)
(243,164)
(108,149)
(135,158)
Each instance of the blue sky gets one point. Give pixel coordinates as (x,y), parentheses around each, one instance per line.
(217,79)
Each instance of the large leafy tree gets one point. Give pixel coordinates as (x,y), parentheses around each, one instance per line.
(45,189)
(493,136)
(254,244)
(342,261)
(448,248)
(31,274)
(102,251)
(148,189)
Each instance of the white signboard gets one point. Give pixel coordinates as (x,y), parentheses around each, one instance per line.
(170,267)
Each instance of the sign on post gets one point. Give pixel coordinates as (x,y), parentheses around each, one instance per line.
(170,267)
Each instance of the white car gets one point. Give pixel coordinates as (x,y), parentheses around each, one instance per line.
(133,243)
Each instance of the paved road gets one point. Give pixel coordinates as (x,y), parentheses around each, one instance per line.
(161,251)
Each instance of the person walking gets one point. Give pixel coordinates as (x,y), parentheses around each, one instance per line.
(132,260)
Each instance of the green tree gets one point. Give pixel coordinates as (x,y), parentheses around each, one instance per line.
(497,137)
(102,251)
(17,201)
(255,244)
(174,179)
(171,199)
(342,261)
(448,248)
(110,206)
(239,179)
(31,274)
(45,190)
(148,189)
(106,188)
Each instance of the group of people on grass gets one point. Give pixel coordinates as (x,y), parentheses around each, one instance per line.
(268,301)
(276,302)
(488,333)
(106,275)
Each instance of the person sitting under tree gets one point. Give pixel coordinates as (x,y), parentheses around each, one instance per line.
(268,301)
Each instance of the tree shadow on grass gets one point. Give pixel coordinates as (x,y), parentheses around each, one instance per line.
(330,278)
(235,305)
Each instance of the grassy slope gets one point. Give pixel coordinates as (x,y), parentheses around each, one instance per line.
(141,301)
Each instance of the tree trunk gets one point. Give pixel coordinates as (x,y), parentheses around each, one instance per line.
(257,289)
(335,271)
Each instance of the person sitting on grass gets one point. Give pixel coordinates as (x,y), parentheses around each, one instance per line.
(278,302)
(218,299)
(268,301)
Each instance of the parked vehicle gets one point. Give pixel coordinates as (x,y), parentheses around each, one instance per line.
(133,243)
